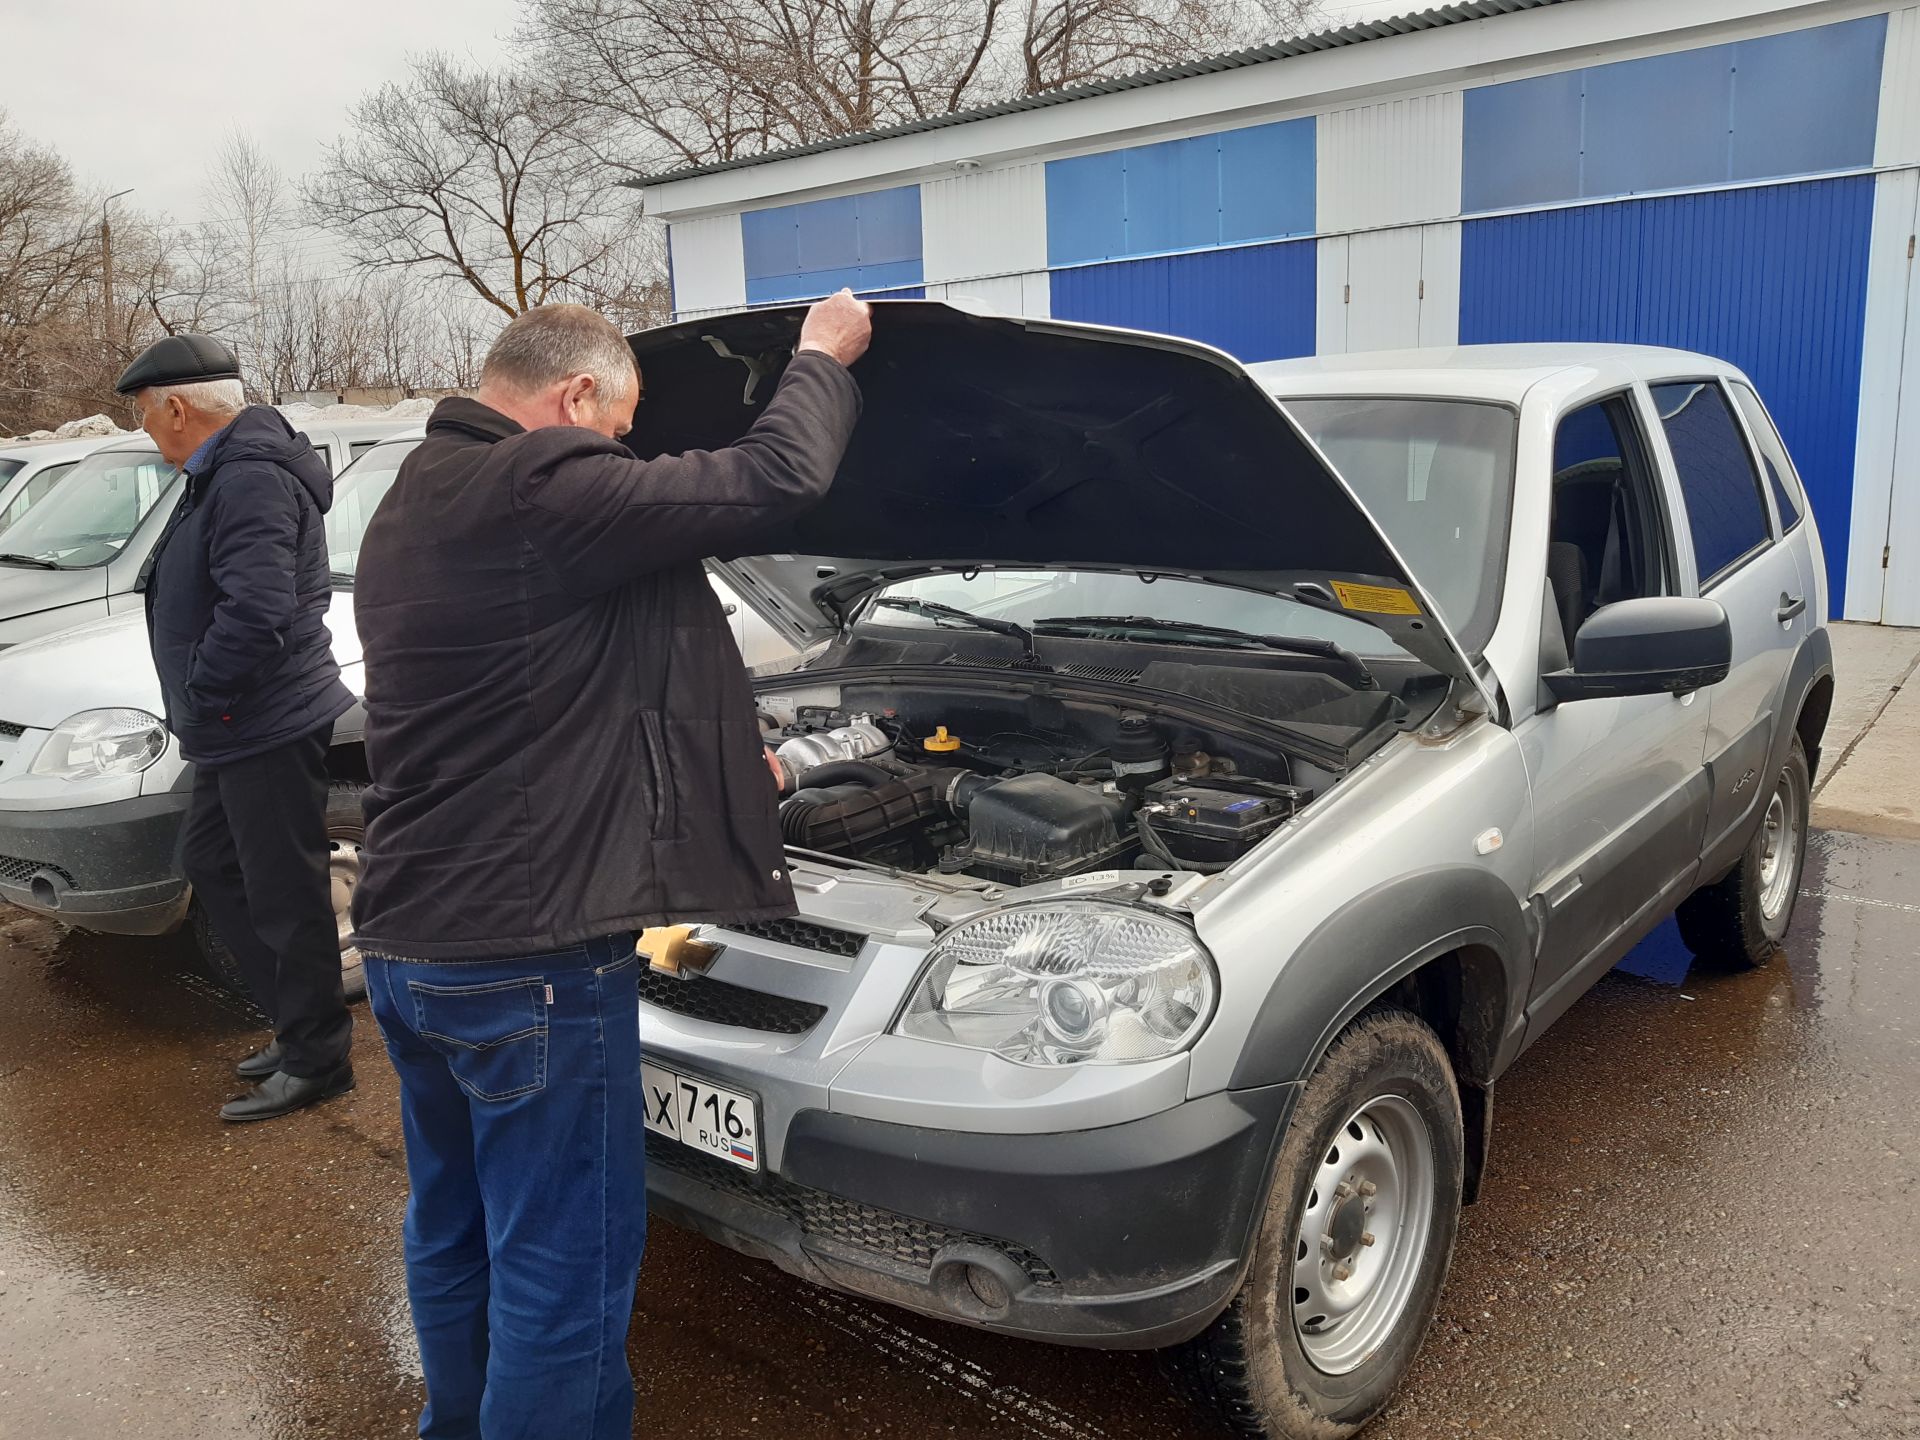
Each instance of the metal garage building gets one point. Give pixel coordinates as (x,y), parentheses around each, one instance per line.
(1734,176)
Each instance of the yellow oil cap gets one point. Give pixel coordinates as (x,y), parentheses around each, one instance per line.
(940,742)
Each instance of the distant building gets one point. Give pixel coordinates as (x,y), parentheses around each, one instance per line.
(1733,176)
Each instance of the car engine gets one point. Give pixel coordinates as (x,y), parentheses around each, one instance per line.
(1021,809)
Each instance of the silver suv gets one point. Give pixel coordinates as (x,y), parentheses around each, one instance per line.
(1204,781)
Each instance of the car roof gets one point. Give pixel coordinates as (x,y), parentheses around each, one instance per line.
(1488,372)
(357,429)
(54,451)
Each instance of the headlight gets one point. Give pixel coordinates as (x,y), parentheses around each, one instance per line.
(101,742)
(1063,984)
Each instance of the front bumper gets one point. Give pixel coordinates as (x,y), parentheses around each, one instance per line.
(110,867)
(1130,1236)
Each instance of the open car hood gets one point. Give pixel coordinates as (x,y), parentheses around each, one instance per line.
(1042,444)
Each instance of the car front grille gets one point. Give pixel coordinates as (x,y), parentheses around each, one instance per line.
(718,1003)
(11,731)
(15,871)
(814,1212)
(803,934)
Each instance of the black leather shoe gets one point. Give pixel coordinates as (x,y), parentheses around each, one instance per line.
(282,1094)
(260,1064)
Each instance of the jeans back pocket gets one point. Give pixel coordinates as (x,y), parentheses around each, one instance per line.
(493,1035)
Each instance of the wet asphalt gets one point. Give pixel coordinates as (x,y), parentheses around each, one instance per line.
(1702,1217)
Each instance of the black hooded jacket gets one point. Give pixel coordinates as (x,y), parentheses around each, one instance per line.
(237,597)
(560,728)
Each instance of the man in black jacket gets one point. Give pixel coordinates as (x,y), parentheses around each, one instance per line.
(236,612)
(564,750)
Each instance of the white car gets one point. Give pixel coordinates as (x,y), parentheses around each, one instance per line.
(29,469)
(93,789)
(82,552)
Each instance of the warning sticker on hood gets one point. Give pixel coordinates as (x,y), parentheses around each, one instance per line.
(1376,599)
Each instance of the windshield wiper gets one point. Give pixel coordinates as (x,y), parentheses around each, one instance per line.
(33,562)
(1216,635)
(935,611)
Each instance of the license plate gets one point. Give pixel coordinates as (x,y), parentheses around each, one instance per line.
(714,1121)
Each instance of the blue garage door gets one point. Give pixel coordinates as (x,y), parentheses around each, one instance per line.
(1773,279)
(1256,303)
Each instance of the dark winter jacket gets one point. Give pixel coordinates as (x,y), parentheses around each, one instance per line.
(560,731)
(237,596)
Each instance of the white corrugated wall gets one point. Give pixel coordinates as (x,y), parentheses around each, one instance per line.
(709,264)
(1387,183)
(1883,559)
(984,237)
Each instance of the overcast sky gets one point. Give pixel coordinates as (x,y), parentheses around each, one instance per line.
(140,92)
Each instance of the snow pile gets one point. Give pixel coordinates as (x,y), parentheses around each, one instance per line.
(87,429)
(304,414)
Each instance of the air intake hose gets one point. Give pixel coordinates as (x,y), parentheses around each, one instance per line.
(847,816)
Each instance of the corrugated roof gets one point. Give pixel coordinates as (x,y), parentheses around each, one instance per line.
(1381,29)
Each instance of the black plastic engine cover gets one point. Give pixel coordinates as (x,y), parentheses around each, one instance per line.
(1036,827)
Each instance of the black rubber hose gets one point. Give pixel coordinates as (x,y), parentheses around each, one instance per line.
(844,772)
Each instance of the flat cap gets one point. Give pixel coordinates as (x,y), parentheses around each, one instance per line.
(179,360)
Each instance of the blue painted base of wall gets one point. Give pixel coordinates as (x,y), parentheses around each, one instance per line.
(1773,279)
(1256,303)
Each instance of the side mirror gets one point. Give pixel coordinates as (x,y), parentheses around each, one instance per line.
(1647,647)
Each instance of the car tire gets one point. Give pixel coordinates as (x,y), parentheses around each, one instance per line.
(346,832)
(1386,1092)
(1740,921)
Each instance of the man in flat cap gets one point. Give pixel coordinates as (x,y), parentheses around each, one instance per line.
(236,613)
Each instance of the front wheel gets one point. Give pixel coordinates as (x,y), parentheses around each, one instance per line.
(346,832)
(1353,1248)
(1742,919)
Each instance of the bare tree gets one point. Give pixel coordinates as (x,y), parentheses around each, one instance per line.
(691,81)
(249,202)
(476,177)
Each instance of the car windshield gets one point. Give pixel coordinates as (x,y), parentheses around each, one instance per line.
(356,495)
(88,517)
(1026,596)
(1438,477)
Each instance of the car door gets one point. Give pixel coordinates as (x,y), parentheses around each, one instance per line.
(1740,564)
(1619,792)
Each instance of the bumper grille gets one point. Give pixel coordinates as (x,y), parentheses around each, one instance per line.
(11,731)
(719,1003)
(816,1213)
(15,871)
(803,935)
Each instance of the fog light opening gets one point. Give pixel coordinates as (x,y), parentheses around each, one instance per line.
(988,1288)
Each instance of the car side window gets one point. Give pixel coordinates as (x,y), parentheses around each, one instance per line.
(1725,510)
(1788,497)
(1607,539)
(360,447)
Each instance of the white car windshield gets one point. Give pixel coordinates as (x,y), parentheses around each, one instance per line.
(89,516)
(356,495)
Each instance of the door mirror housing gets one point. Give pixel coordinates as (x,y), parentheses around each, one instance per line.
(1664,645)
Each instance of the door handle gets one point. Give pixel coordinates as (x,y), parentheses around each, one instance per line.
(1790,606)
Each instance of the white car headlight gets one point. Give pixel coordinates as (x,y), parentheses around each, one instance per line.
(101,742)
(1065,983)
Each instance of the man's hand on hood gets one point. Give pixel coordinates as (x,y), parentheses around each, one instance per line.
(839,326)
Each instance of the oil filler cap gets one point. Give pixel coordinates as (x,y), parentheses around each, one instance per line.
(940,742)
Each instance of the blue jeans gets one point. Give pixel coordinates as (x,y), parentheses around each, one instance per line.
(521,1100)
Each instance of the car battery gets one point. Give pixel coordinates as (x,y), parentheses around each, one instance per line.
(1197,821)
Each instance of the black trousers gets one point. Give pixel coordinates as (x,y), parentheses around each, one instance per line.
(255,850)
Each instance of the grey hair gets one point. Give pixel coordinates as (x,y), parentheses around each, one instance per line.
(209,397)
(551,342)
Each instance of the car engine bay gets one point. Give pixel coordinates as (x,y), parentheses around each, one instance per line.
(984,791)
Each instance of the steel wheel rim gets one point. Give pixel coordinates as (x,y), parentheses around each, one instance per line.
(343,875)
(1779,843)
(1363,1234)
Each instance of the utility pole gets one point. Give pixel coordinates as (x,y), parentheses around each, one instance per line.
(106,265)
